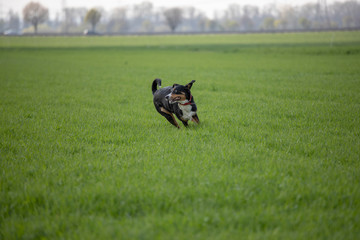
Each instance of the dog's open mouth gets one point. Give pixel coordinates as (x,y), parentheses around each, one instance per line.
(176,98)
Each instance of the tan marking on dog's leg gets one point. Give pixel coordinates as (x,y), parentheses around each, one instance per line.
(169,113)
(165,111)
(177,125)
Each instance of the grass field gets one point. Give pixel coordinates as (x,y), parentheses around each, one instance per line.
(85,155)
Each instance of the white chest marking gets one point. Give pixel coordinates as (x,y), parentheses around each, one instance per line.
(187,113)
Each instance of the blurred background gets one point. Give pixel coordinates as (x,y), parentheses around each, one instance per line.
(106,17)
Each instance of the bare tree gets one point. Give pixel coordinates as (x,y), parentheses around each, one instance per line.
(247,23)
(173,17)
(351,14)
(326,12)
(192,18)
(233,12)
(288,18)
(269,23)
(305,23)
(270,10)
(143,10)
(249,17)
(118,21)
(142,14)
(35,14)
(93,17)
(73,17)
(2,25)
(14,21)
(232,17)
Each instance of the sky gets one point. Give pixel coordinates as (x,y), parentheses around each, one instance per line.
(207,6)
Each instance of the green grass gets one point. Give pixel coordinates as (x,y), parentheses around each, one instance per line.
(85,155)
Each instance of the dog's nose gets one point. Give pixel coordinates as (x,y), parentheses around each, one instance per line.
(168,96)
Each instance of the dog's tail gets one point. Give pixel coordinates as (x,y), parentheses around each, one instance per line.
(156,82)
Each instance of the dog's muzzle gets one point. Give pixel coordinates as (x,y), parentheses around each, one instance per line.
(168,97)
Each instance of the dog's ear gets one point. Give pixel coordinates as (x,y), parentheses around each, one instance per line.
(175,84)
(189,85)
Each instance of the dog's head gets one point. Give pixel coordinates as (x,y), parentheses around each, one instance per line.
(180,93)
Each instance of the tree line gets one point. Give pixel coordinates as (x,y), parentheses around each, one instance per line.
(145,18)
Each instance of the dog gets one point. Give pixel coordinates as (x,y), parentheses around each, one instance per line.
(175,100)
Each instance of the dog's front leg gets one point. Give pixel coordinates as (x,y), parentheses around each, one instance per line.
(195,118)
(172,120)
(169,116)
(185,123)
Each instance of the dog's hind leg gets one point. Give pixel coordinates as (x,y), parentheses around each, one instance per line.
(169,116)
